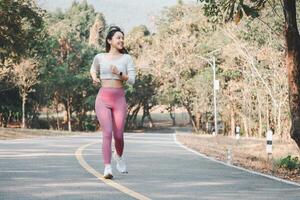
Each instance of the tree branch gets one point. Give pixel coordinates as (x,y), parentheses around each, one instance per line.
(278,34)
(273,8)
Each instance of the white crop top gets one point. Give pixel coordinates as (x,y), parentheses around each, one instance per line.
(124,64)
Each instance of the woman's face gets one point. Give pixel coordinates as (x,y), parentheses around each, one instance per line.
(117,41)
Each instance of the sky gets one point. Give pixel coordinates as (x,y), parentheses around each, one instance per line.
(124,13)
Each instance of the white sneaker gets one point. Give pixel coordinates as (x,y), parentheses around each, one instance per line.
(107,172)
(121,165)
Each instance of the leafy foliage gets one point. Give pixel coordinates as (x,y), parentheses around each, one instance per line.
(76,21)
(289,162)
(228,10)
(21,24)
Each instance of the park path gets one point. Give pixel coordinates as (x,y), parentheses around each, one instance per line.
(70,168)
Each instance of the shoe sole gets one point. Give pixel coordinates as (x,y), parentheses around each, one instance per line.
(108,176)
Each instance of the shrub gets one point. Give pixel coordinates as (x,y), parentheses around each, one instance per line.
(289,162)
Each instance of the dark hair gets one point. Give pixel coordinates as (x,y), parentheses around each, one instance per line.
(111,32)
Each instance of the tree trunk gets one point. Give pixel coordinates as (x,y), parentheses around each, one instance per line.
(278,127)
(197,120)
(131,118)
(69,113)
(260,121)
(259,118)
(57,117)
(186,105)
(232,121)
(191,117)
(56,103)
(134,116)
(292,39)
(9,118)
(23,110)
(244,118)
(81,117)
(249,122)
(1,120)
(172,116)
(146,113)
(151,123)
(268,113)
(143,118)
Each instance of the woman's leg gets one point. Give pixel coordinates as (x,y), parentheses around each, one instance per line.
(104,116)
(119,113)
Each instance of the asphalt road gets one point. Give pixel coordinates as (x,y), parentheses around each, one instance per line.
(70,168)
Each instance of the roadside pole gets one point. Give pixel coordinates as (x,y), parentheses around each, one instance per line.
(215,88)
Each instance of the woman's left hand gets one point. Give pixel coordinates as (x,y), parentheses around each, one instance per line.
(114,69)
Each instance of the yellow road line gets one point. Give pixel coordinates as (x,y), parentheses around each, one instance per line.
(109,182)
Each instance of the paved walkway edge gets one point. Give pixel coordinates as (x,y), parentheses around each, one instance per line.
(236,167)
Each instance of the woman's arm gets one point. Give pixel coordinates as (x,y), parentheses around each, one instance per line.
(130,77)
(94,77)
(95,69)
(115,71)
(130,71)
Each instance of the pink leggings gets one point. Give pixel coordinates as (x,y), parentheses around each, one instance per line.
(111,109)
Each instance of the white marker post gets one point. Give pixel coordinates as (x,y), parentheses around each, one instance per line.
(237,132)
(269,142)
(229,156)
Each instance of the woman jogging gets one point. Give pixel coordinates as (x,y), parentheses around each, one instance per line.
(115,67)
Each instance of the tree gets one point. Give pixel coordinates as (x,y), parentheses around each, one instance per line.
(139,98)
(65,72)
(236,9)
(137,39)
(172,57)
(76,21)
(25,77)
(10,105)
(21,28)
(65,76)
(96,31)
(21,23)
(255,86)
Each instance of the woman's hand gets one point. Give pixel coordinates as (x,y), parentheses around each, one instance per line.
(96,80)
(114,70)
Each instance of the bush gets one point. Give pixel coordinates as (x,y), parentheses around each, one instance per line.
(38,123)
(289,162)
(89,124)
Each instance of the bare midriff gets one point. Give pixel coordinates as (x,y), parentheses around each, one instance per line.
(110,83)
